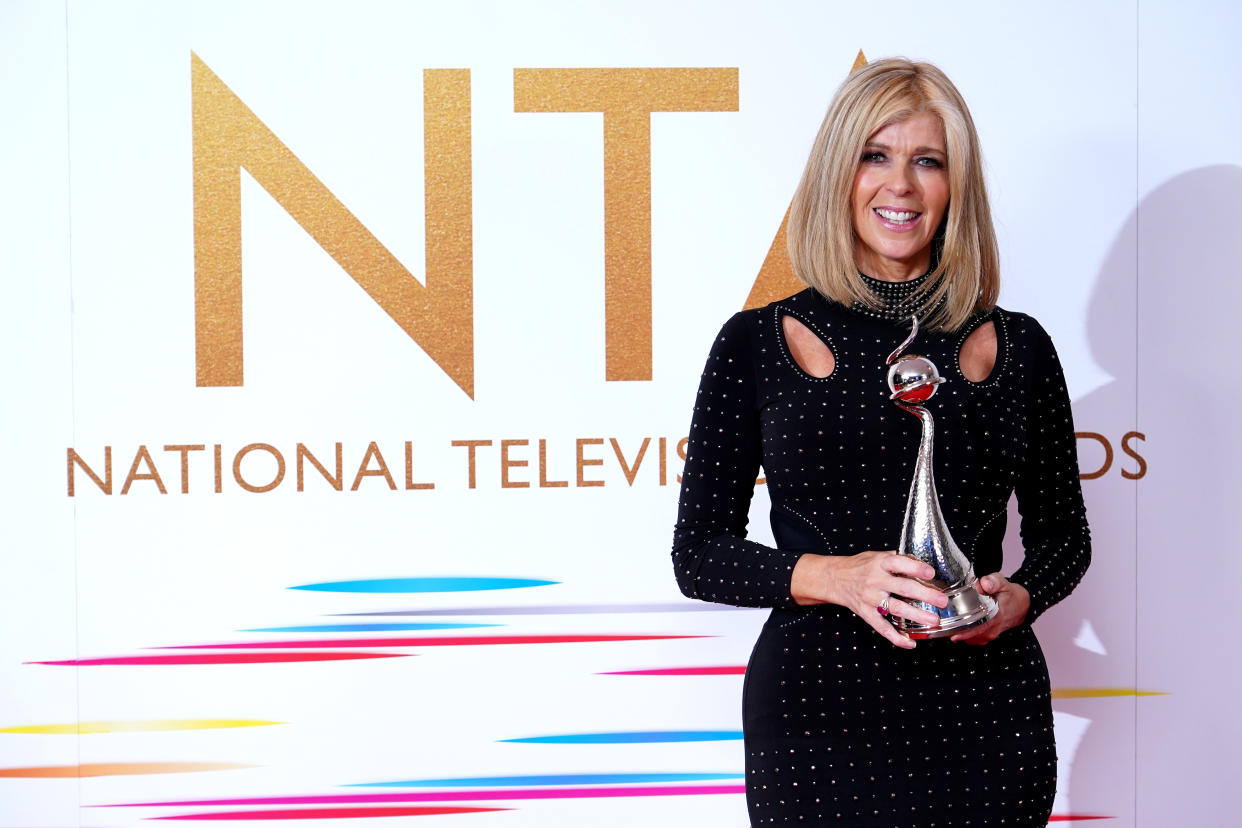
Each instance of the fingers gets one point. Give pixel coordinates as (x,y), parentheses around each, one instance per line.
(880,622)
(896,564)
(915,591)
(900,572)
(900,584)
(992,583)
(982,634)
(881,625)
(866,579)
(1013,601)
(905,570)
(922,617)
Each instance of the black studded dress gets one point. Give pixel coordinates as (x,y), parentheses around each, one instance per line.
(841,727)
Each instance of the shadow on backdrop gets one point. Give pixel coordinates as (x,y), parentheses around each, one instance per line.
(1189,566)
(1166,299)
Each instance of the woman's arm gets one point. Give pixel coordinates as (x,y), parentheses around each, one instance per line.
(1055,534)
(712,559)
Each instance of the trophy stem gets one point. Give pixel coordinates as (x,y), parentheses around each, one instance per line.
(925,536)
(924,533)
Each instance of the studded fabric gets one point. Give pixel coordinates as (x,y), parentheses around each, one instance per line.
(895,301)
(842,728)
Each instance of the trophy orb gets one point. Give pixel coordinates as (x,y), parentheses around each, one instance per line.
(913,379)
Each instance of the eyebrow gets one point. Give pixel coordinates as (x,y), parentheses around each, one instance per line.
(917,150)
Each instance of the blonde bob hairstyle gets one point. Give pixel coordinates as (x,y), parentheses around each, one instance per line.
(966,266)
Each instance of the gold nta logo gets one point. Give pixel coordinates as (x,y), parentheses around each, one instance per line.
(439,315)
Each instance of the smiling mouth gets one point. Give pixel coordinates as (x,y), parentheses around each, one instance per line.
(898,217)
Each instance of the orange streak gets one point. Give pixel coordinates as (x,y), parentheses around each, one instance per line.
(114,769)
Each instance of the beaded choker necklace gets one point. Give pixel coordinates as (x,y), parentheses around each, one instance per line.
(898,301)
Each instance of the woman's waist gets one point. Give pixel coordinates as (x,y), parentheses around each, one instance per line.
(820,530)
(787,631)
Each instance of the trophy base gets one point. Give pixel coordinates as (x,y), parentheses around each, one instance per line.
(967,608)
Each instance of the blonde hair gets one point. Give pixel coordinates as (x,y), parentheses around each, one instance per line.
(966,265)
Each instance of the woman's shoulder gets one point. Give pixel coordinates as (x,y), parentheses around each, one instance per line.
(1020,324)
(804,301)
(1023,333)
(805,305)
(756,319)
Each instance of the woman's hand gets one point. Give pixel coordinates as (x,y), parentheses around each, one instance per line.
(862,582)
(1014,602)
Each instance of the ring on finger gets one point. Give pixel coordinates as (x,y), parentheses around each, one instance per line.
(882,607)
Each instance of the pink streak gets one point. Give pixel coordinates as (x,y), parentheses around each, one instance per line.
(729,670)
(456,796)
(423,641)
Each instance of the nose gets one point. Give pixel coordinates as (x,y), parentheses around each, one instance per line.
(900,180)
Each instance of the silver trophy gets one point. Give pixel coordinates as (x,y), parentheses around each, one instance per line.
(924,534)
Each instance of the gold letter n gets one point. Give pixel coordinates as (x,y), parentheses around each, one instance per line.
(229,136)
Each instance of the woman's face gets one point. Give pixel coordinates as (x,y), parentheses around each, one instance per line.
(901,191)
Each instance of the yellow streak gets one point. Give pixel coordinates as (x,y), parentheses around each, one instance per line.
(1101,692)
(135,726)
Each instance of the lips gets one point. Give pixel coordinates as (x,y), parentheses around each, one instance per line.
(896,219)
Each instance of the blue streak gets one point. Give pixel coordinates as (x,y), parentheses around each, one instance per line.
(566,609)
(548,779)
(635,737)
(423,584)
(329,628)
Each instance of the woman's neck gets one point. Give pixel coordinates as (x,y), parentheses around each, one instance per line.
(891,270)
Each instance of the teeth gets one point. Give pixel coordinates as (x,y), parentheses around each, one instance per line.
(898,216)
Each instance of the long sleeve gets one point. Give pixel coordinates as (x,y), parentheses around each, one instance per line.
(1055,534)
(712,559)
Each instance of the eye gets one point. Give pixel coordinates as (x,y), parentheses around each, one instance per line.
(873,157)
(928,161)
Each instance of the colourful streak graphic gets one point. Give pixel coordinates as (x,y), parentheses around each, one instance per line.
(550,779)
(1099,693)
(459,641)
(454,796)
(345,628)
(567,609)
(636,737)
(390,585)
(213,658)
(114,769)
(135,726)
(728,670)
(1074,817)
(333,813)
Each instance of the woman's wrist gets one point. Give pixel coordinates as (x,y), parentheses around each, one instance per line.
(811,578)
(1022,600)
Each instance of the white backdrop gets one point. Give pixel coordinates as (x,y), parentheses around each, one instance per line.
(1107,129)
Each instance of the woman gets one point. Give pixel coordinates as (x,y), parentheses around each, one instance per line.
(846,720)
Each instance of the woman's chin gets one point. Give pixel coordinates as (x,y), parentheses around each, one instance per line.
(898,264)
